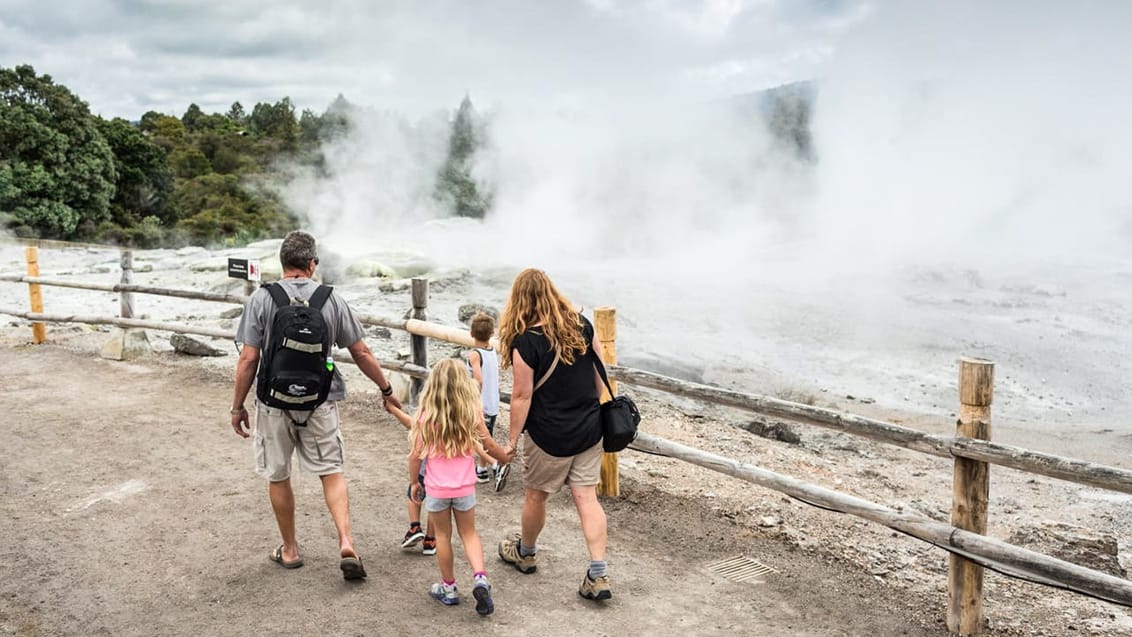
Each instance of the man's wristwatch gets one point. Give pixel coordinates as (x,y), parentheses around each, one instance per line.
(237,411)
(388,391)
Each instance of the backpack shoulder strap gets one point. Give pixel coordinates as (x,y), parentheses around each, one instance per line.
(320,296)
(278,294)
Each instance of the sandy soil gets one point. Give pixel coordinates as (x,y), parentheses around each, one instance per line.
(130,508)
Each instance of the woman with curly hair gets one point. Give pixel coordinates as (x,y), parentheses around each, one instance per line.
(554,401)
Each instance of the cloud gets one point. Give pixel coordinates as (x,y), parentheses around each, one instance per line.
(129,56)
(995,132)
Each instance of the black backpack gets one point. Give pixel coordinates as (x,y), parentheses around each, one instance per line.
(296,365)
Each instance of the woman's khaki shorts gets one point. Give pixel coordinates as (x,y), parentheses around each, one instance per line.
(544,472)
(276,438)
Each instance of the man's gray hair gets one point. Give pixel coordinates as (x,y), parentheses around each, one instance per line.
(297,250)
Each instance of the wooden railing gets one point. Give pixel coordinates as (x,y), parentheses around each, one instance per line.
(970,449)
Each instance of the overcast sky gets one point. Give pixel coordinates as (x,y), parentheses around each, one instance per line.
(125,57)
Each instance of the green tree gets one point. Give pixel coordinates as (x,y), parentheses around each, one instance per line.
(57,172)
(189,162)
(236,114)
(276,121)
(144,178)
(193,118)
(455,187)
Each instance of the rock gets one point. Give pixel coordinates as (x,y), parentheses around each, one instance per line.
(768,521)
(468,310)
(398,285)
(217,265)
(126,344)
(380,332)
(774,430)
(188,345)
(1076,544)
(370,269)
(232,313)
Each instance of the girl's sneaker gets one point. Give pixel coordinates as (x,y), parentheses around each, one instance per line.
(482,593)
(445,594)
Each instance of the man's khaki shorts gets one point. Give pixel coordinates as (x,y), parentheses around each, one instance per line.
(544,472)
(319,441)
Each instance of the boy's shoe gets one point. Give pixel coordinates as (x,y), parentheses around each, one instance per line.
(595,589)
(447,595)
(501,476)
(412,537)
(429,546)
(482,593)
(482,475)
(509,552)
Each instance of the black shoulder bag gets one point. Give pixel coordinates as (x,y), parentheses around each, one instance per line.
(619,416)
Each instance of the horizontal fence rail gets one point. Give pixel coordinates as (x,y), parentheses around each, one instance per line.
(119,287)
(121,322)
(1067,469)
(1007,558)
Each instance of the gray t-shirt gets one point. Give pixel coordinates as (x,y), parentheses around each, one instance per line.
(345,330)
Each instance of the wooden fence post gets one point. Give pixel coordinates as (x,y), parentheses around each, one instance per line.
(605,323)
(971,491)
(38,330)
(418,345)
(126,299)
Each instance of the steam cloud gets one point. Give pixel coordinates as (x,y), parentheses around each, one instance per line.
(942,133)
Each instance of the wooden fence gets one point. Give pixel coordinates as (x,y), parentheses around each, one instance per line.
(970,449)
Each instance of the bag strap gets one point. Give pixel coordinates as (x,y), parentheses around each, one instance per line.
(601,371)
(320,296)
(550,371)
(278,294)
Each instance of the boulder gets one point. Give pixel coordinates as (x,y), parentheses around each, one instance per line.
(183,344)
(772,429)
(468,310)
(370,270)
(126,344)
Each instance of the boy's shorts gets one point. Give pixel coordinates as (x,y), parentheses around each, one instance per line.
(463,503)
(409,489)
(544,472)
(318,442)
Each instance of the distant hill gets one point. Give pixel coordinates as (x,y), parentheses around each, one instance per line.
(787,110)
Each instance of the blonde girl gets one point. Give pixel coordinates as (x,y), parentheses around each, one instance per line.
(448,430)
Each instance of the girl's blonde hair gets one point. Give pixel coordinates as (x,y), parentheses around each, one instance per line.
(450,406)
(534,300)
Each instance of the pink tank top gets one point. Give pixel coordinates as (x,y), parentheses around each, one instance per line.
(450,477)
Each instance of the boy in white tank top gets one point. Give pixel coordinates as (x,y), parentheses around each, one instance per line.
(484,364)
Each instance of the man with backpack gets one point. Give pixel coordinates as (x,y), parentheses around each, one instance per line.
(287,331)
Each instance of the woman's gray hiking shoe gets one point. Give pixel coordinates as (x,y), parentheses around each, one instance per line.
(595,588)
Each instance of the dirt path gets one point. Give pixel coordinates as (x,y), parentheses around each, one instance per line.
(130,508)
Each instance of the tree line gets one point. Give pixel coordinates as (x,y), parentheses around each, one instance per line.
(198,179)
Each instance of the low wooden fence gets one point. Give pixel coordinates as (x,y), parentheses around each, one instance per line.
(970,449)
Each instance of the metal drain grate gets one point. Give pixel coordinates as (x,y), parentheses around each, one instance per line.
(742,569)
